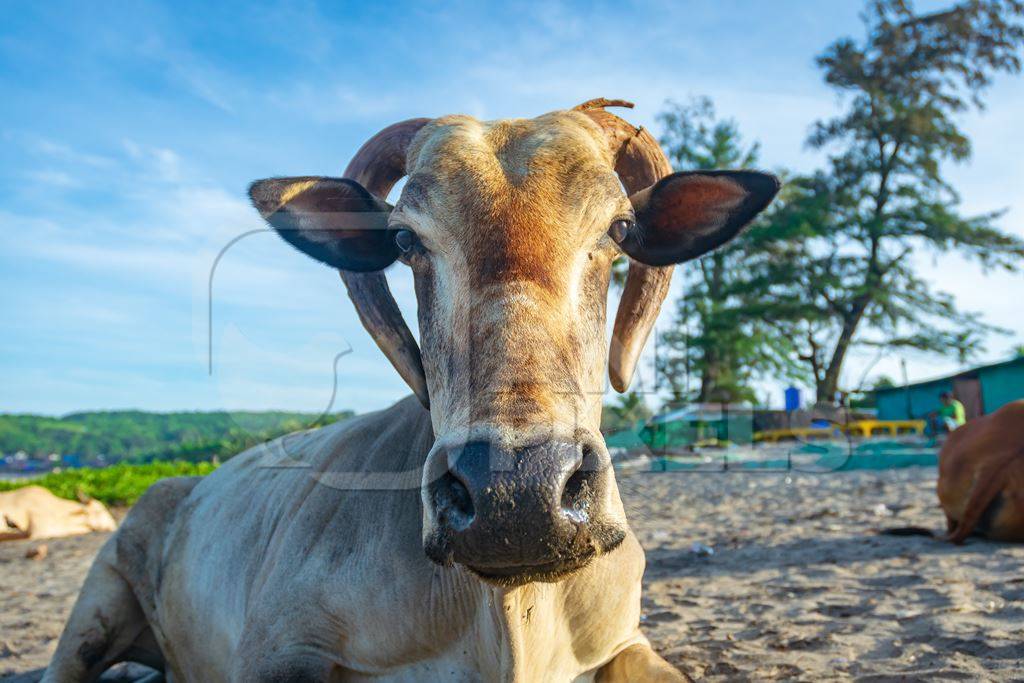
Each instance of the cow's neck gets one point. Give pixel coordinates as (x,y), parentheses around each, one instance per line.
(519,629)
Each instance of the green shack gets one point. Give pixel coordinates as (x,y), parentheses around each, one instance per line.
(982,390)
(693,425)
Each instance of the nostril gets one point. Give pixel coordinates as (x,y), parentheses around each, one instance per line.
(578,492)
(461,499)
(453,502)
(576,497)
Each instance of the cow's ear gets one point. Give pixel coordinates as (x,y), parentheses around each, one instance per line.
(334,220)
(686,215)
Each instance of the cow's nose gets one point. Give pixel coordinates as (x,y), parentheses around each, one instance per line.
(508,510)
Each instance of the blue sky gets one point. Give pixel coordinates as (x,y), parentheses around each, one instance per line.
(129,132)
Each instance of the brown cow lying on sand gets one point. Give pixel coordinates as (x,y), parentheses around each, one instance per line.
(981,476)
(33,512)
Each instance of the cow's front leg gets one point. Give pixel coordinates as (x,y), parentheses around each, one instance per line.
(104,624)
(639,663)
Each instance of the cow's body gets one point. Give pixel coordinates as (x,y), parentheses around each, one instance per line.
(32,512)
(269,569)
(484,539)
(981,476)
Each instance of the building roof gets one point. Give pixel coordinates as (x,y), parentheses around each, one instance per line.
(1019,360)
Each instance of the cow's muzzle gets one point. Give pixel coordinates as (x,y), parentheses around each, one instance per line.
(514,515)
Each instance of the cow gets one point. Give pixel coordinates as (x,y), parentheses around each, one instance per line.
(32,512)
(981,476)
(473,531)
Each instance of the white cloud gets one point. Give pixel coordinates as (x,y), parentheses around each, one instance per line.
(187,68)
(334,102)
(54,178)
(58,150)
(164,164)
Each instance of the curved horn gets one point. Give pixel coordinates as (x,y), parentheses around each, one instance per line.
(377,166)
(639,162)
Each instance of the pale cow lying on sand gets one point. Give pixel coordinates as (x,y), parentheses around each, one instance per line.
(33,512)
(482,539)
(981,476)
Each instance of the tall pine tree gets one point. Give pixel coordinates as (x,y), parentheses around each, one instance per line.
(717,337)
(838,248)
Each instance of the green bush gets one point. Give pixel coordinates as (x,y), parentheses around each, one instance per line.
(115,485)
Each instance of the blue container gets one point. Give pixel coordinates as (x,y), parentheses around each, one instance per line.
(792,399)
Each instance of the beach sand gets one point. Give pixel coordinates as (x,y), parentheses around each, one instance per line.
(798,585)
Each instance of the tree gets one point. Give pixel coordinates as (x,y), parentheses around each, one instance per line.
(883,382)
(839,246)
(625,414)
(716,333)
(141,436)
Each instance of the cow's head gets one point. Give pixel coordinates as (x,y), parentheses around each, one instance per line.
(510,228)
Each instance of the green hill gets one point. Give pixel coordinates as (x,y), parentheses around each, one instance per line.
(131,435)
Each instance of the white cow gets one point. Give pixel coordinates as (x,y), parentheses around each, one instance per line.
(482,538)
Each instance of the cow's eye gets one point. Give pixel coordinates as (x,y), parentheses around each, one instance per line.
(620,228)
(405,240)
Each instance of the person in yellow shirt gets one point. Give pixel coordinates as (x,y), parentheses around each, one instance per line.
(951,415)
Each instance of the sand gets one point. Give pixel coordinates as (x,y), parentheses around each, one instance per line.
(801,586)
(798,584)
